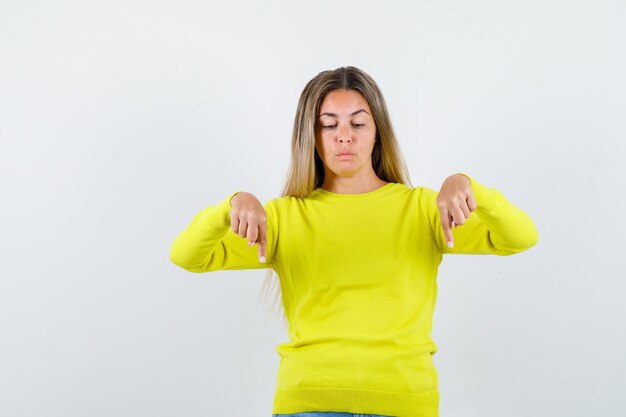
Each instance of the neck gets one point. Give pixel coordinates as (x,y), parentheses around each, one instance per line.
(352,185)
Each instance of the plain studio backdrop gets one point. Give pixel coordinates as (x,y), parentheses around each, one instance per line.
(121,120)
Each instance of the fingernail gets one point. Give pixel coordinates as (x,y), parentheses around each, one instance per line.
(450,244)
(250,243)
(262,259)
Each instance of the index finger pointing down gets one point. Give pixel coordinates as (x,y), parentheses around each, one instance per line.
(262,241)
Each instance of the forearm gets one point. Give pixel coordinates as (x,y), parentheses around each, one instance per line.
(194,246)
(510,228)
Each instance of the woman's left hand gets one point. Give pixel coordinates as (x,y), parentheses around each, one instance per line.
(455,203)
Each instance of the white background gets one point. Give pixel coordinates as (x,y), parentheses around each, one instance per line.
(120,120)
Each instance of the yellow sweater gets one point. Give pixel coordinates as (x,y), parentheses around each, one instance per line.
(358,277)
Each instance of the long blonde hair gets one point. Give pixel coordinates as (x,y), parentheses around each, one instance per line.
(306,170)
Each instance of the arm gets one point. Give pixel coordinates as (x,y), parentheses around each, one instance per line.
(209,244)
(495,227)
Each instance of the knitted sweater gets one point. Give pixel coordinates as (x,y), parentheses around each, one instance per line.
(358,278)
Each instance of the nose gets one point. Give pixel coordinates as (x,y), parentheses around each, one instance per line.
(344,135)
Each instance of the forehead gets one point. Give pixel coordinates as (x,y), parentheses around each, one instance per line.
(344,101)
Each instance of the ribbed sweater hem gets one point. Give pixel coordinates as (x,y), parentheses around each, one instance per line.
(360,401)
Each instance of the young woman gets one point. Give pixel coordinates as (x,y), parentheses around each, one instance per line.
(356,249)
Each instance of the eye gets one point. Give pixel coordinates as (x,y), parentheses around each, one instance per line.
(328,126)
(358,125)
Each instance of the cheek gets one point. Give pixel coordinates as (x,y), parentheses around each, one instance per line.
(369,137)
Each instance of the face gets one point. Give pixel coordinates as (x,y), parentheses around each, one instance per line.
(345,134)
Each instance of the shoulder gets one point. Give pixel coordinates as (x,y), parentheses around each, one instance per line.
(419,192)
(424,192)
(276,203)
(426,199)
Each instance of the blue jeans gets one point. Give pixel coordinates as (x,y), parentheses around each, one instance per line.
(327,414)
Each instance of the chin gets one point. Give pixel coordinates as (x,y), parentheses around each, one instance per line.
(344,172)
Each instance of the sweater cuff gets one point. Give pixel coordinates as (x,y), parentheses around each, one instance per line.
(230,197)
(485,197)
(223,208)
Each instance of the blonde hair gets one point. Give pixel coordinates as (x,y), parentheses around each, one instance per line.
(306,170)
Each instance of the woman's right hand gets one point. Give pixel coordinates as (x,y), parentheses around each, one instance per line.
(248,219)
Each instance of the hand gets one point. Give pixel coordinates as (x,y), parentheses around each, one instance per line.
(456,203)
(248,219)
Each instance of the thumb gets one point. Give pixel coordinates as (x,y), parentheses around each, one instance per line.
(471,202)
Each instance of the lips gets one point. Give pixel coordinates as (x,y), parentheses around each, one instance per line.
(345,153)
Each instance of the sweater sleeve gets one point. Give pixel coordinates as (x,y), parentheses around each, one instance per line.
(495,227)
(209,244)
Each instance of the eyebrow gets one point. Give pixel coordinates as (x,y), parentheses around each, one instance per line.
(335,115)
